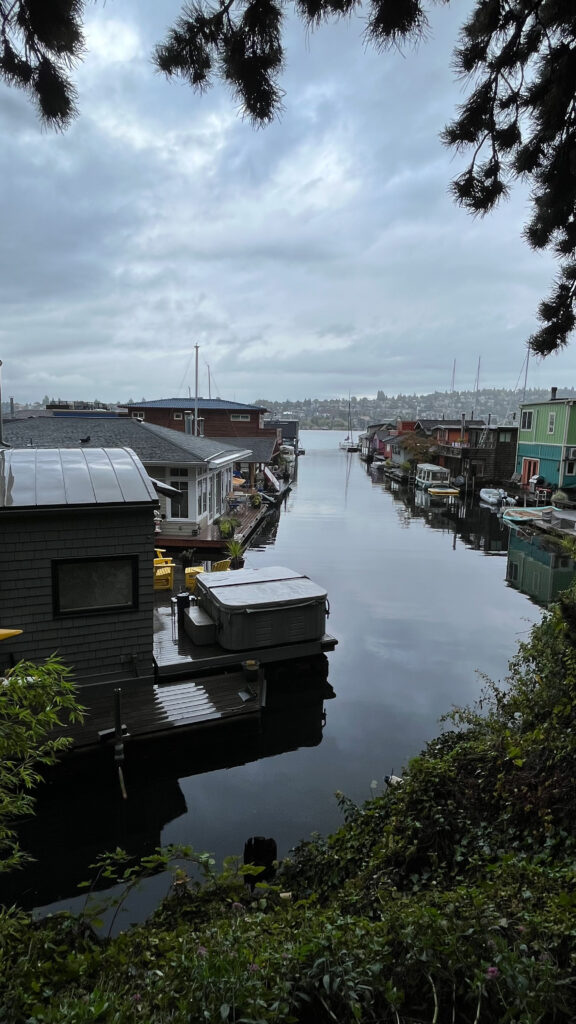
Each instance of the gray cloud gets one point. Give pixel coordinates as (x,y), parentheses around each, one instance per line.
(320,255)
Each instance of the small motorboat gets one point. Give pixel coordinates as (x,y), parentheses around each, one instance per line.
(443,491)
(495,496)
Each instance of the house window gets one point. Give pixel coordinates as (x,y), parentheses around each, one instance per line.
(177,415)
(551,422)
(244,417)
(526,420)
(189,424)
(202,495)
(87,586)
(504,436)
(179,480)
(570,468)
(137,415)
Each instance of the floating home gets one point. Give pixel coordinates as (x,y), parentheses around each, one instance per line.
(77,549)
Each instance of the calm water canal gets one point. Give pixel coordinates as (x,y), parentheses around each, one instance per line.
(419,604)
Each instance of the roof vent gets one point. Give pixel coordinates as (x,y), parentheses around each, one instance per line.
(553,394)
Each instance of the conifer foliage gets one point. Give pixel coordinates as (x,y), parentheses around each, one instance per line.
(40,41)
(520,122)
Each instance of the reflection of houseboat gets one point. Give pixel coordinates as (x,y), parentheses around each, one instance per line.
(77,576)
(538,566)
(88,793)
(429,475)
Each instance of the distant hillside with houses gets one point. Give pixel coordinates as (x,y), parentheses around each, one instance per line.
(499,404)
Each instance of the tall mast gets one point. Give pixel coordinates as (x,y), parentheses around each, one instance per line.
(453,376)
(209,388)
(526,373)
(477,385)
(196,396)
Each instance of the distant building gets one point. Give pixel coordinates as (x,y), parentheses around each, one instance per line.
(217,417)
(287,430)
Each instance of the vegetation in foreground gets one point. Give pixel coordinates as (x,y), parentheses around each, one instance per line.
(450,897)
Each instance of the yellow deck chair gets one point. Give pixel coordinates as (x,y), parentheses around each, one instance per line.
(190,576)
(163,577)
(161,558)
(221,566)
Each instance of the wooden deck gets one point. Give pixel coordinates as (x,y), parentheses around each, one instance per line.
(209,537)
(193,688)
(176,655)
(150,709)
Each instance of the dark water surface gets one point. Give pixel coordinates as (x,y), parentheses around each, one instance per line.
(419,603)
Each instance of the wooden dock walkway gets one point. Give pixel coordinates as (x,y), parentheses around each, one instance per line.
(153,709)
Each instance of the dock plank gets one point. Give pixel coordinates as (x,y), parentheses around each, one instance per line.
(153,708)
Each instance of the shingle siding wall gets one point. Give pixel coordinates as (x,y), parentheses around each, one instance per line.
(96,647)
(217,422)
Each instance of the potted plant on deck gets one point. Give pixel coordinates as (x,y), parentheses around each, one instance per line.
(226,527)
(235,549)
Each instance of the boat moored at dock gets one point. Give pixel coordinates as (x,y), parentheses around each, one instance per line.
(430,475)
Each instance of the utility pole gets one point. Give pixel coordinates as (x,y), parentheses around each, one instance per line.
(196,396)
(453,376)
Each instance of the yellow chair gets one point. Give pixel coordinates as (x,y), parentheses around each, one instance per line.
(163,577)
(190,576)
(160,559)
(221,566)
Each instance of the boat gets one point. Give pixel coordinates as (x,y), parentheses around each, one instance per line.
(349,444)
(443,491)
(527,515)
(430,475)
(495,496)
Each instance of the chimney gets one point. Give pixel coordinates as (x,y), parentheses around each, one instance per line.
(553,393)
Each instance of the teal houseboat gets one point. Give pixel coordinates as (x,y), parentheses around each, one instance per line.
(547,441)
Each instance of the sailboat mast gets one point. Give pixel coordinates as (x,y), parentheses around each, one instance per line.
(196,396)
(526,374)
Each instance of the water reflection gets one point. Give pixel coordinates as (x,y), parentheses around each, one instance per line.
(88,793)
(538,566)
(478,527)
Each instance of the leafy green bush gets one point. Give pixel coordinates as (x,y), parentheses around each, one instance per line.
(34,699)
(451,897)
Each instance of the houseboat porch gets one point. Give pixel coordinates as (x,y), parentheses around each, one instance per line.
(193,688)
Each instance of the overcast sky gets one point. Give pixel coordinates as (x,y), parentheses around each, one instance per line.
(318,256)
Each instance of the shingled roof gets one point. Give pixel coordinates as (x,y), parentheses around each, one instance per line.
(189,403)
(154,445)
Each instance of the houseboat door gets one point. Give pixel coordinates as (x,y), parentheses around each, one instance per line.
(530,468)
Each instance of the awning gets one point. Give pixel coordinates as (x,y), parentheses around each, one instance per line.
(271,478)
